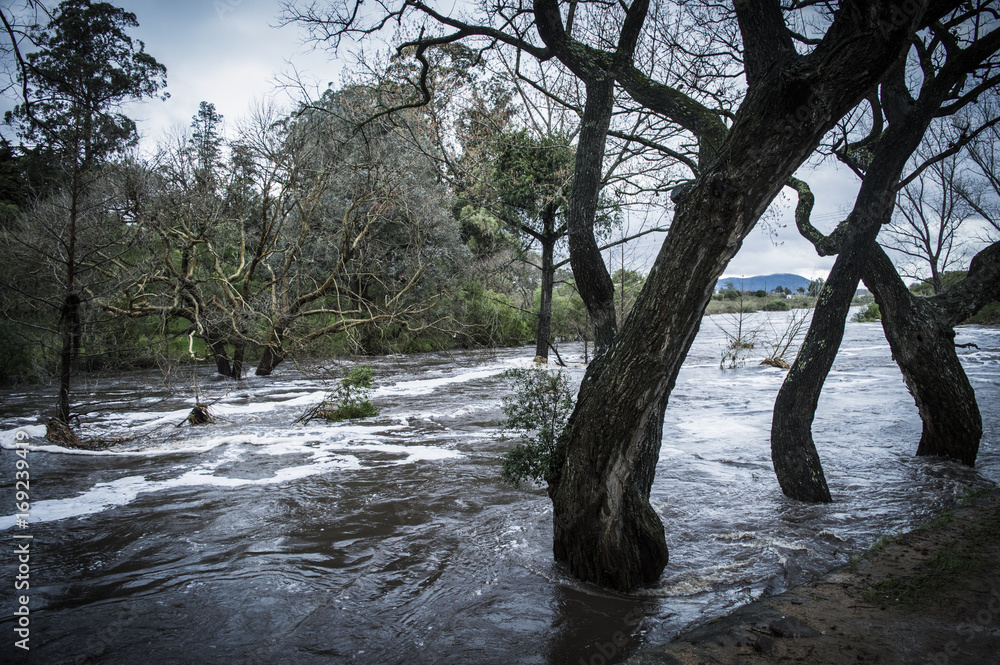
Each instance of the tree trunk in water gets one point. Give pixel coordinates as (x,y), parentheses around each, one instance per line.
(591,275)
(71,331)
(273,354)
(218,349)
(544,330)
(923,345)
(238,354)
(793,451)
(70,334)
(605,529)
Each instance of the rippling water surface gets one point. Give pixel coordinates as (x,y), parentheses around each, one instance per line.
(391,540)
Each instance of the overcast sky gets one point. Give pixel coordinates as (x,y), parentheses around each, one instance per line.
(230,53)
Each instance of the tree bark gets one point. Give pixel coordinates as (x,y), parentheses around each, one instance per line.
(218,348)
(70,318)
(273,354)
(922,339)
(544,329)
(238,354)
(592,278)
(605,530)
(793,451)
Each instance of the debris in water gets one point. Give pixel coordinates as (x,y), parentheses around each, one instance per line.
(199,416)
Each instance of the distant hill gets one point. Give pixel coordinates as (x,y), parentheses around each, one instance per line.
(764,282)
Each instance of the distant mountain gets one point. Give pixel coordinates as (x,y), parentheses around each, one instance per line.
(764,282)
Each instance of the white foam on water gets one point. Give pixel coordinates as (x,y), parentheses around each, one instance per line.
(37,432)
(333,448)
(427,386)
(694,582)
(98,498)
(104,496)
(413,453)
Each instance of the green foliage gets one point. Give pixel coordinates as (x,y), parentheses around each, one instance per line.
(350,401)
(531,172)
(760,293)
(569,315)
(987,316)
(491,319)
(776,306)
(483,233)
(815,287)
(868,315)
(536,415)
(949,279)
(729,294)
(86,66)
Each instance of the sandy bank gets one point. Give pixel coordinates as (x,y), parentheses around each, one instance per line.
(931,596)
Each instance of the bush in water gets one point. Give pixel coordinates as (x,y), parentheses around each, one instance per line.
(537,413)
(351,399)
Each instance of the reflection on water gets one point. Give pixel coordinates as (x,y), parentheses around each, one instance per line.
(256,540)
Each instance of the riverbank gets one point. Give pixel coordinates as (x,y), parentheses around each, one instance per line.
(930,596)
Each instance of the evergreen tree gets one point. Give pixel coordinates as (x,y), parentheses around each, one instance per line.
(86,67)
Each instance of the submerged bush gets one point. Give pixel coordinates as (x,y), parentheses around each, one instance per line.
(776,306)
(351,399)
(536,415)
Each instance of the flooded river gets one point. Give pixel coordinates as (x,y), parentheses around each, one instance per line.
(392,540)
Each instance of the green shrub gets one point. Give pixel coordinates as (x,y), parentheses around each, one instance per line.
(988,315)
(776,306)
(491,319)
(871,313)
(351,399)
(536,415)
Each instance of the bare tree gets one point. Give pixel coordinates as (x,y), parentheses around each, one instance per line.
(980,190)
(959,64)
(930,215)
(316,230)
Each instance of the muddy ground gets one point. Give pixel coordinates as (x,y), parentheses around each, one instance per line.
(929,597)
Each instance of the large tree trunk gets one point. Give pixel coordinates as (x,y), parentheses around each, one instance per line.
(273,354)
(923,345)
(793,451)
(592,278)
(238,354)
(605,529)
(70,344)
(544,330)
